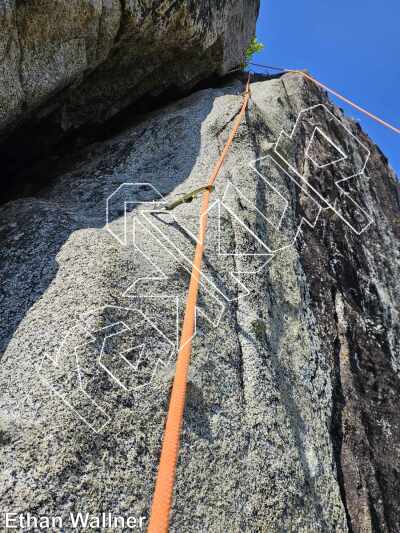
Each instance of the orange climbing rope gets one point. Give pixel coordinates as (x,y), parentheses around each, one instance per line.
(163,492)
(344,99)
(335,93)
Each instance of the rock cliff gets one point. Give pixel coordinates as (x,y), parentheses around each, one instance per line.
(291,421)
(84,60)
(292,415)
(66,67)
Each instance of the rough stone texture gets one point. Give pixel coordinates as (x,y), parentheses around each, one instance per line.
(292,415)
(81,61)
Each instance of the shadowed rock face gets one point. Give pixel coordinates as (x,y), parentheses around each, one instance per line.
(82,61)
(292,420)
(66,67)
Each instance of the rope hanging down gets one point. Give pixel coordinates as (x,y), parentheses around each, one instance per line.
(163,492)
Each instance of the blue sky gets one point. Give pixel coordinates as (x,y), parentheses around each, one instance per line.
(351,45)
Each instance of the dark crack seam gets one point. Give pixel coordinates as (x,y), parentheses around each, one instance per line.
(223,128)
(336,429)
(99,29)
(121,22)
(21,57)
(240,367)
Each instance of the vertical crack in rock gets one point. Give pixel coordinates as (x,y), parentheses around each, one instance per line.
(338,402)
(361,509)
(240,358)
(288,100)
(123,8)
(220,139)
(21,56)
(99,30)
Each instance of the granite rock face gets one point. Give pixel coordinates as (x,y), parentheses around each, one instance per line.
(291,421)
(79,62)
